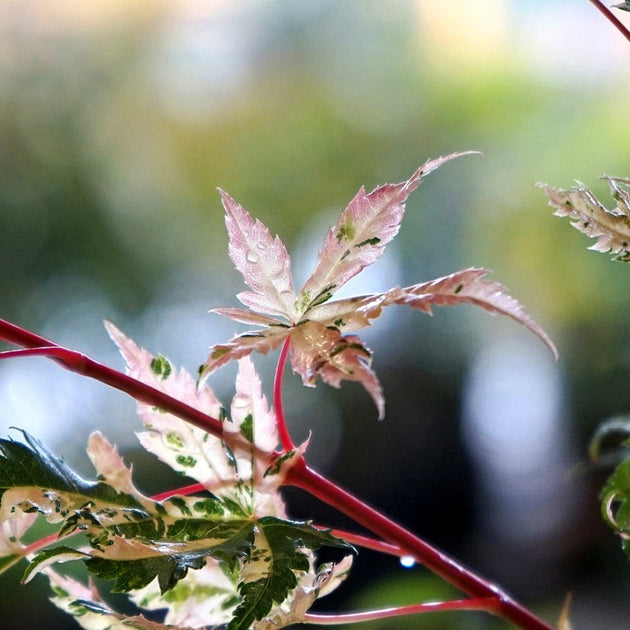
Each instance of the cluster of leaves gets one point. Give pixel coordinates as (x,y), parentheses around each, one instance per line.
(317,328)
(249,562)
(611,228)
(226,553)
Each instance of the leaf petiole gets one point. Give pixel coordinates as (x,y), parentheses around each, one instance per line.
(612,18)
(34,345)
(283,431)
(489,604)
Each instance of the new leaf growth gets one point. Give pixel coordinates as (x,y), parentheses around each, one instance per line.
(318,328)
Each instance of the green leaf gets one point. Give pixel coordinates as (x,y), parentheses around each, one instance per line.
(615,430)
(129,575)
(608,443)
(279,555)
(31,465)
(47,557)
(616,499)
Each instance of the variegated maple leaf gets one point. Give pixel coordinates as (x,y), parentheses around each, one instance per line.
(241,466)
(318,328)
(611,228)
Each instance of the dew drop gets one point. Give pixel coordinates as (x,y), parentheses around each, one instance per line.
(251,257)
(407,561)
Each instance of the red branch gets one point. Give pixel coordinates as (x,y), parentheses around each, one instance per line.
(82,364)
(300,475)
(612,18)
(283,430)
(487,604)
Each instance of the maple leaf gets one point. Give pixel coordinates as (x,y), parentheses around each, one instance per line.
(90,611)
(611,227)
(318,328)
(234,467)
(245,567)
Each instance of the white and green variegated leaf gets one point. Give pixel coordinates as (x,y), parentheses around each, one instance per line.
(280,558)
(251,432)
(111,468)
(49,557)
(611,227)
(91,612)
(242,345)
(185,448)
(205,597)
(231,467)
(133,563)
(125,526)
(34,481)
(311,586)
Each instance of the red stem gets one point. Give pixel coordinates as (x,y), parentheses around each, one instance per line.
(301,476)
(488,604)
(283,431)
(612,18)
(82,364)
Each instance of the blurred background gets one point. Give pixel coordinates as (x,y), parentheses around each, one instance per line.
(118,121)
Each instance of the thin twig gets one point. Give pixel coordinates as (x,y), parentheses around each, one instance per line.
(301,476)
(488,604)
(283,430)
(612,18)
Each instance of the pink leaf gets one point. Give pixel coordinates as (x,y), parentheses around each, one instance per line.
(322,351)
(262,260)
(359,238)
(469,285)
(247,317)
(240,346)
(174,441)
(611,228)
(353,313)
(249,402)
